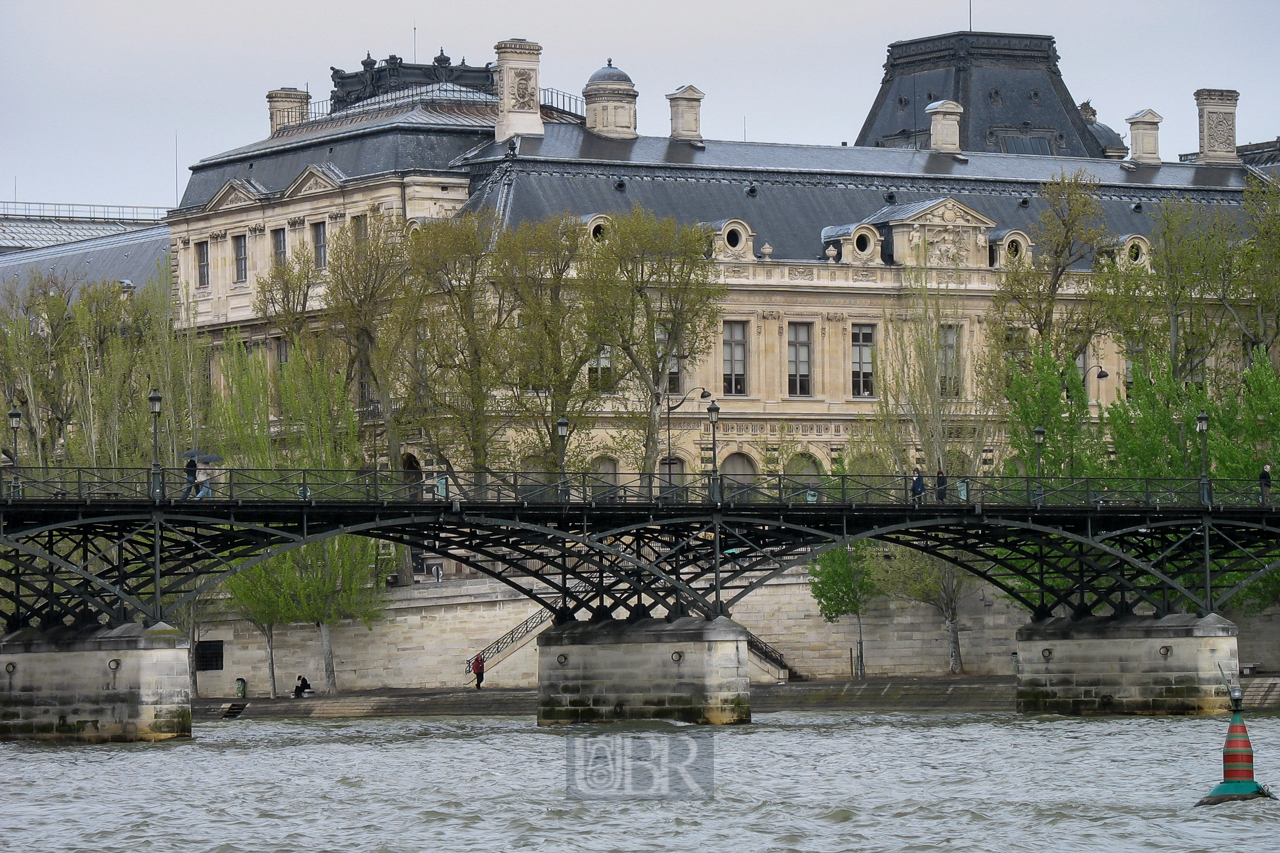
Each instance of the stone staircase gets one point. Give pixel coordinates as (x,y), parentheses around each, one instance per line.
(1261,692)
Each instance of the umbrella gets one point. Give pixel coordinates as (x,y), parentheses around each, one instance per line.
(192,454)
(209,458)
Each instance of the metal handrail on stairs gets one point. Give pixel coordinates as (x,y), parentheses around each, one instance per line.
(519,632)
(772,655)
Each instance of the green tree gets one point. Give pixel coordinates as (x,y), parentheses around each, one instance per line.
(842,582)
(463,353)
(914,575)
(660,300)
(1046,291)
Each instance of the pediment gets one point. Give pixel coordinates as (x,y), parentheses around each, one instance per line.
(313,180)
(235,193)
(948,211)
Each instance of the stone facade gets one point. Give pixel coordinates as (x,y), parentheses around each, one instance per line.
(110,684)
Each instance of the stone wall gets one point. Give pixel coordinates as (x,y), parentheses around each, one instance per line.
(431,629)
(118,684)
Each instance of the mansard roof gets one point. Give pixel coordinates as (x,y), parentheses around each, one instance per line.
(1012,92)
(800,190)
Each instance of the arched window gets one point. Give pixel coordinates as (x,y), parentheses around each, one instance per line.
(803,468)
(739,468)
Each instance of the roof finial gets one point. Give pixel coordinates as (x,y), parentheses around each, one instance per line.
(610,62)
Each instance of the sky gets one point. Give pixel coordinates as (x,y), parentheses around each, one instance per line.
(111,102)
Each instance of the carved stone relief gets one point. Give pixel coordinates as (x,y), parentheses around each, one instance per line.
(736,272)
(800,273)
(835,316)
(297,221)
(257,228)
(1220,131)
(524,90)
(217,236)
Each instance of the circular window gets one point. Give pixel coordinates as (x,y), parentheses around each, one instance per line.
(1135,252)
(733,238)
(1014,250)
(597,233)
(862,243)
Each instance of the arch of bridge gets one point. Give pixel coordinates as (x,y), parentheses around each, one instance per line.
(670,560)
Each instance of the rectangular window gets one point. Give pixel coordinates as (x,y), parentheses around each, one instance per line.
(319,245)
(949,361)
(208,655)
(240,247)
(279,248)
(864,341)
(735,357)
(799,359)
(202,264)
(360,228)
(282,353)
(600,372)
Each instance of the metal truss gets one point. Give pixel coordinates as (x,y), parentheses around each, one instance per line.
(80,547)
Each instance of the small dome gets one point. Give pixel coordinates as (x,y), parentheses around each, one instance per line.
(609,74)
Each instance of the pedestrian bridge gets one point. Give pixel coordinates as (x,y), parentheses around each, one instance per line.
(83,546)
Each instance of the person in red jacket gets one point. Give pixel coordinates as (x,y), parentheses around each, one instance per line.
(477,666)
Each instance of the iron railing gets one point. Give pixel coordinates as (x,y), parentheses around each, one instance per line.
(78,212)
(323,486)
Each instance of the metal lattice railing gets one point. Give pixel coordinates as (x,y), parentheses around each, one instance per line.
(320,486)
(524,629)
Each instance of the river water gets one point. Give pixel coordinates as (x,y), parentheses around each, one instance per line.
(798,781)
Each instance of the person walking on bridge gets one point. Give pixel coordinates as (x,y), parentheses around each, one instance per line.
(917,488)
(940,487)
(477,666)
(1264,485)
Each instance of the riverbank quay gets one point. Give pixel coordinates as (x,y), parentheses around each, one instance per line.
(882,694)
(951,695)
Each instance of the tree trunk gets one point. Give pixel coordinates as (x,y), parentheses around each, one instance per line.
(953,646)
(191,667)
(861,671)
(330,677)
(270,633)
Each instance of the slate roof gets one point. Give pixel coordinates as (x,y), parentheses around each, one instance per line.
(800,190)
(134,255)
(1012,92)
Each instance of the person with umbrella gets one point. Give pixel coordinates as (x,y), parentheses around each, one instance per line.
(204,475)
(191,468)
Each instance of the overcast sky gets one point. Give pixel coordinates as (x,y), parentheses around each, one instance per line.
(110,102)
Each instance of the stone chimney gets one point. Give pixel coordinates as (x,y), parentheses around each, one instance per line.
(686,113)
(1144,137)
(1217,126)
(944,131)
(516,81)
(287,107)
(611,103)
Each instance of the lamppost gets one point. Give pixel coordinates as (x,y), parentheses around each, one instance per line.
(1039,433)
(671,407)
(713,415)
(157,476)
(562,430)
(1102,374)
(15,423)
(1202,427)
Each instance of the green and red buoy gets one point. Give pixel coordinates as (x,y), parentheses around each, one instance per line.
(1237,762)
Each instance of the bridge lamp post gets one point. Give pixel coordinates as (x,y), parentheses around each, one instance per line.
(1202,427)
(671,407)
(157,476)
(562,431)
(713,416)
(1039,433)
(15,423)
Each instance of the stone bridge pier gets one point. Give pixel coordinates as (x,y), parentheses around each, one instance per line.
(689,669)
(127,683)
(1131,665)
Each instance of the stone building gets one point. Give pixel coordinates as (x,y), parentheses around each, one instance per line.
(812,242)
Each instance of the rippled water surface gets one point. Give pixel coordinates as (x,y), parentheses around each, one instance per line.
(811,781)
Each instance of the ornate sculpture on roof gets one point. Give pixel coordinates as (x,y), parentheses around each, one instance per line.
(392,74)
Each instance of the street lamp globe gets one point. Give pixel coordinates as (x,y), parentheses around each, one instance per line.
(15,417)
